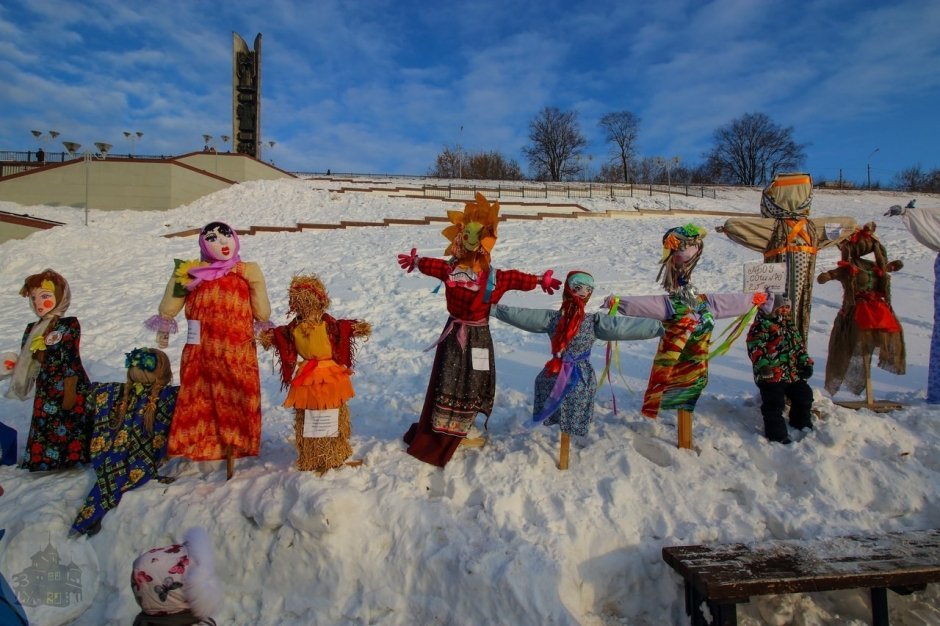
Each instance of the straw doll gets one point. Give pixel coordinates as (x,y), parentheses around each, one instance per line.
(785,233)
(565,388)
(463,376)
(50,360)
(316,353)
(218,411)
(131,425)
(866,322)
(680,367)
(924,224)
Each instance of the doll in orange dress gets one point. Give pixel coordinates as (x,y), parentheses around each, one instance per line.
(316,353)
(218,410)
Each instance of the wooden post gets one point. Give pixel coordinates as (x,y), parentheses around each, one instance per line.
(229,463)
(685,429)
(869,394)
(563,455)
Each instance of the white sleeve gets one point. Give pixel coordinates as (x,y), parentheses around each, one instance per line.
(924,224)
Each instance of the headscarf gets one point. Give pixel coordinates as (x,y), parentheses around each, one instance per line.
(572,314)
(677,264)
(27,368)
(216,268)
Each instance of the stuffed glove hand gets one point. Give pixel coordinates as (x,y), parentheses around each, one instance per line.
(806,371)
(163,339)
(549,284)
(408,262)
(895,210)
(608,301)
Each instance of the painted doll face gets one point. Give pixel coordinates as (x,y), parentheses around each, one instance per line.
(220,243)
(582,290)
(42,300)
(681,256)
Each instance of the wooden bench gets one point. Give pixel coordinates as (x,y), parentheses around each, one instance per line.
(722,576)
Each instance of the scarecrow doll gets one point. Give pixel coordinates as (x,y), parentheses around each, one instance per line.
(866,322)
(463,376)
(218,411)
(565,388)
(316,353)
(786,234)
(680,366)
(924,224)
(49,358)
(131,425)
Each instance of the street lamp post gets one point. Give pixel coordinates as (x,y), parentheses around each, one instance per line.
(869,166)
(87,158)
(43,139)
(133,138)
(271,145)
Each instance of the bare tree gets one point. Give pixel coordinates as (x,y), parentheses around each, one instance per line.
(751,149)
(448,163)
(916,179)
(556,143)
(620,129)
(455,163)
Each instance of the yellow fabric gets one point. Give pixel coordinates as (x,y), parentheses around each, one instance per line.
(38,343)
(319,381)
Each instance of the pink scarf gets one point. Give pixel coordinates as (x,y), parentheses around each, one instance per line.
(216,268)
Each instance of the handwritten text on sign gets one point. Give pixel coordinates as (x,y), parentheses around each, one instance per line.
(759,276)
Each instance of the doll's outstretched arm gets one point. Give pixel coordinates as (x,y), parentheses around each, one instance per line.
(532,320)
(361,328)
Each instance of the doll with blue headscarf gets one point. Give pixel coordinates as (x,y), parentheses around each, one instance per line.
(565,388)
(218,412)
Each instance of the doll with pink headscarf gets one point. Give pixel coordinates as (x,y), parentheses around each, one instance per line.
(218,411)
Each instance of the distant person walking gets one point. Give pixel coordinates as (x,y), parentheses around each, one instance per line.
(40,156)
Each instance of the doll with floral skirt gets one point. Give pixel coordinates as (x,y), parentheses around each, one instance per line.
(463,375)
(218,410)
(316,353)
(50,361)
(130,428)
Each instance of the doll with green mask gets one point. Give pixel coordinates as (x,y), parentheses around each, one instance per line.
(463,375)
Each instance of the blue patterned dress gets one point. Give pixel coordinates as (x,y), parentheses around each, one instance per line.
(576,409)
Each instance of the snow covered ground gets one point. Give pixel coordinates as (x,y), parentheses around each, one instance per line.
(500,536)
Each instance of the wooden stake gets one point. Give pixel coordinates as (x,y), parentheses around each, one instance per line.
(869,394)
(685,429)
(229,463)
(563,455)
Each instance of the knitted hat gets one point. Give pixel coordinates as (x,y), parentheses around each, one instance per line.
(178,578)
(780,299)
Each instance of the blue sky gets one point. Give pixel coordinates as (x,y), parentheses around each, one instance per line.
(382,87)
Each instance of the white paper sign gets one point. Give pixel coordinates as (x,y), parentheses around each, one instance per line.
(193,332)
(480,358)
(759,276)
(321,423)
(833,230)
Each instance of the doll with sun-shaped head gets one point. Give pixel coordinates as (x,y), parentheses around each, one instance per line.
(218,411)
(866,322)
(564,389)
(680,367)
(316,353)
(463,376)
(49,360)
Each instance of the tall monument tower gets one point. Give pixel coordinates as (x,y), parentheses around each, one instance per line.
(246,96)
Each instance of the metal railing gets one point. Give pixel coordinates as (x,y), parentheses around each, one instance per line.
(603,191)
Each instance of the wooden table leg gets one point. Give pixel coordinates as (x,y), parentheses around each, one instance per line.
(879,606)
